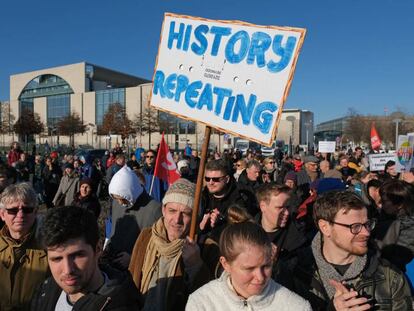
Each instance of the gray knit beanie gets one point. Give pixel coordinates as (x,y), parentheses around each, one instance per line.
(182,191)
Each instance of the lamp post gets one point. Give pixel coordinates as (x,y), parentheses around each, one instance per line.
(91,128)
(307,125)
(396,121)
(291,119)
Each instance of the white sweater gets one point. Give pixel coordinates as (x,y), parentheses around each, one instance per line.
(217,295)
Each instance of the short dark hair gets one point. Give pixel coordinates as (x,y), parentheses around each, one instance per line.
(330,203)
(218,165)
(69,222)
(397,197)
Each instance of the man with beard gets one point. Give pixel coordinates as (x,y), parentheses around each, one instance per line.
(71,236)
(306,175)
(339,271)
(220,192)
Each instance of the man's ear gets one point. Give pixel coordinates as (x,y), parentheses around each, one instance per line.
(324,227)
(262,205)
(2,213)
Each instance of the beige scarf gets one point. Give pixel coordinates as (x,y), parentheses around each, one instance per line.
(159,246)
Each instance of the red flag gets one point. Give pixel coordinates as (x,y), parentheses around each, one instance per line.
(165,167)
(375,139)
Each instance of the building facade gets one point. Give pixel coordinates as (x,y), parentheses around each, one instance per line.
(88,90)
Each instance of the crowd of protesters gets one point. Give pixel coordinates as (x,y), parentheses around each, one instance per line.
(302,232)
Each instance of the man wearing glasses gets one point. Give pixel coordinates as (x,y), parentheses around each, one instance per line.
(220,192)
(339,271)
(23,262)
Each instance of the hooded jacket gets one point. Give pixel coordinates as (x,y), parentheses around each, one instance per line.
(125,184)
(129,221)
(118,293)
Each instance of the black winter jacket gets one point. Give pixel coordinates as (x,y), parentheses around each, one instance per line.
(119,293)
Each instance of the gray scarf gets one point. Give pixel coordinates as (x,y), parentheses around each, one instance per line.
(328,272)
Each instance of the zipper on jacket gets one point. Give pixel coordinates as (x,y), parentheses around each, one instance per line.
(244,303)
(107,302)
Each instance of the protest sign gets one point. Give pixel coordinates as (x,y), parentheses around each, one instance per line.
(404,152)
(230,75)
(326,146)
(377,161)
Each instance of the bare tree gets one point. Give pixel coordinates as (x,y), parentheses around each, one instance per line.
(29,123)
(147,123)
(116,121)
(357,128)
(71,125)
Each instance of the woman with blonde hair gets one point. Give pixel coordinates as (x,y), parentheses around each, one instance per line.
(246,256)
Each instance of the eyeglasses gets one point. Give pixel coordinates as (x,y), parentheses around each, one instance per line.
(271,162)
(214,179)
(150,157)
(357,227)
(15,210)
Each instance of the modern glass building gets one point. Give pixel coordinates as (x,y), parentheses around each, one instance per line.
(89,90)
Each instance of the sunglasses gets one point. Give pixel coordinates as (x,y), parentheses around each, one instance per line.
(150,157)
(15,210)
(271,162)
(214,179)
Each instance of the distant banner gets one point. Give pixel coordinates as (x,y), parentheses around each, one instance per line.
(326,146)
(405,152)
(230,75)
(377,161)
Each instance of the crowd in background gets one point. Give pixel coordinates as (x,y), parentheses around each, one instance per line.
(268,231)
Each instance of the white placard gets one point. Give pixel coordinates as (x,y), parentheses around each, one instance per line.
(229,75)
(326,146)
(377,161)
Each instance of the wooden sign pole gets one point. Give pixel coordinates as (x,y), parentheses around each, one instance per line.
(200,179)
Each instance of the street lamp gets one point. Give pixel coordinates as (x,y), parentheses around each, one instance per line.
(307,125)
(291,119)
(91,127)
(396,121)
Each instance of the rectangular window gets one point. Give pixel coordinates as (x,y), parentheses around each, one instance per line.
(58,107)
(104,98)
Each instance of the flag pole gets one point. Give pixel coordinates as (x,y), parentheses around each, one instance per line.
(200,179)
(155,166)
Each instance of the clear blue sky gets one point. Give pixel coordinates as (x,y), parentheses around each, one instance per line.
(357,53)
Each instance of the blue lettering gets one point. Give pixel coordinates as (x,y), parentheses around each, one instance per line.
(206,98)
(260,43)
(170,85)
(159,83)
(182,83)
(192,92)
(175,35)
(285,53)
(187,37)
(229,108)
(221,94)
(231,55)
(263,116)
(243,110)
(218,33)
(200,35)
